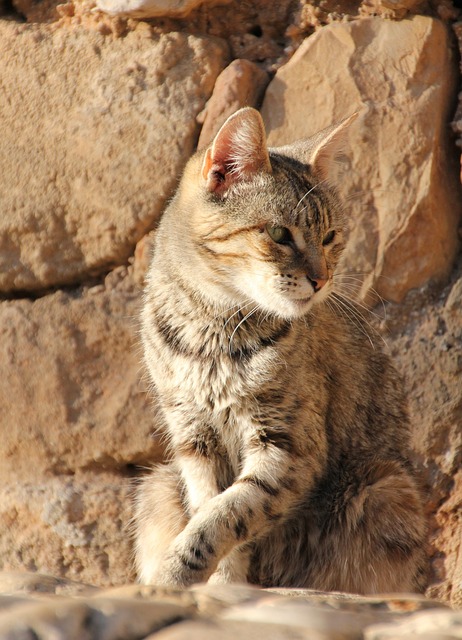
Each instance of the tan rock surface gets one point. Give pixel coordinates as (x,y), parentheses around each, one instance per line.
(241,84)
(22,583)
(424,336)
(82,620)
(425,626)
(72,391)
(400,178)
(457,123)
(147,612)
(447,544)
(75,527)
(154,8)
(95,131)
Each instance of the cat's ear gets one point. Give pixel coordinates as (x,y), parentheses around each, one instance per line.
(237,153)
(321,150)
(331,142)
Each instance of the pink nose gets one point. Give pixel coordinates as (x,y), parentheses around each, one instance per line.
(317,283)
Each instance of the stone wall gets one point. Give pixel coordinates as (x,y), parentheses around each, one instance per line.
(100,109)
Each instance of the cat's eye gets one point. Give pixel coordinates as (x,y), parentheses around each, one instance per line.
(330,235)
(280,235)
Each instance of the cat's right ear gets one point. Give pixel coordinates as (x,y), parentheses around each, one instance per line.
(237,153)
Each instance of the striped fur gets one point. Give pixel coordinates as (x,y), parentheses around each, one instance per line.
(287,427)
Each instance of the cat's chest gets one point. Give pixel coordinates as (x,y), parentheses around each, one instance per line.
(209,364)
(214,382)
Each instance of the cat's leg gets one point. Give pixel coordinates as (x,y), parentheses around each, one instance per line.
(232,568)
(199,475)
(374,539)
(199,469)
(201,463)
(270,483)
(159,517)
(161,513)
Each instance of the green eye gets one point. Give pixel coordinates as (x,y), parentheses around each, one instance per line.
(280,235)
(330,235)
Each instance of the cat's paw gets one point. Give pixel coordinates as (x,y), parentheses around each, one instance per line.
(233,568)
(189,560)
(173,572)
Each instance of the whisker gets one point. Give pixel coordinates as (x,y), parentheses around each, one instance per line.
(354,315)
(379,276)
(352,286)
(307,194)
(236,312)
(307,205)
(252,311)
(351,280)
(222,313)
(352,273)
(354,307)
(351,290)
(359,304)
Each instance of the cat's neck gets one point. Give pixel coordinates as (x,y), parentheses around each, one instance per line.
(212,328)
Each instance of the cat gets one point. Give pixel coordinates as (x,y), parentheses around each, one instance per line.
(287,428)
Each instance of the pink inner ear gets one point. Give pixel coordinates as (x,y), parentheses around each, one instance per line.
(238,151)
(214,173)
(207,164)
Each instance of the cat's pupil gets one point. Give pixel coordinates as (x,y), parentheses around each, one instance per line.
(328,237)
(280,235)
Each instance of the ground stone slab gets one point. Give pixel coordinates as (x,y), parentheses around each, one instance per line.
(95,131)
(400,182)
(103,619)
(436,625)
(237,611)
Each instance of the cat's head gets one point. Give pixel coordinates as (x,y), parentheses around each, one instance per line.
(268,228)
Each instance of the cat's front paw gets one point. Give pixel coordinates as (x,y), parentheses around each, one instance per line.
(178,571)
(233,568)
(189,560)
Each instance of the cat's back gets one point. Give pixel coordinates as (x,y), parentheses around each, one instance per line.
(367,408)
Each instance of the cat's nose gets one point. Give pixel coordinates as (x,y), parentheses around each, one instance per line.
(317,283)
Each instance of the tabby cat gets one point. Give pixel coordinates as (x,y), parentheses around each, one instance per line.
(287,428)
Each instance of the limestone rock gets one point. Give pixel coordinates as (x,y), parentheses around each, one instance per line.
(232,629)
(95,132)
(447,540)
(21,582)
(154,8)
(81,620)
(395,9)
(76,423)
(441,625)
(75,527)
(425,339)
(72,391)
(160,613)
(400,181)
(457,124)
(241,84)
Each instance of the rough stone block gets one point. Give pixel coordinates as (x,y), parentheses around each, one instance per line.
(95,132)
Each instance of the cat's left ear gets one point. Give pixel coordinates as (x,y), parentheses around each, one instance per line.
(237,153)
(331,143)
(320,150)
